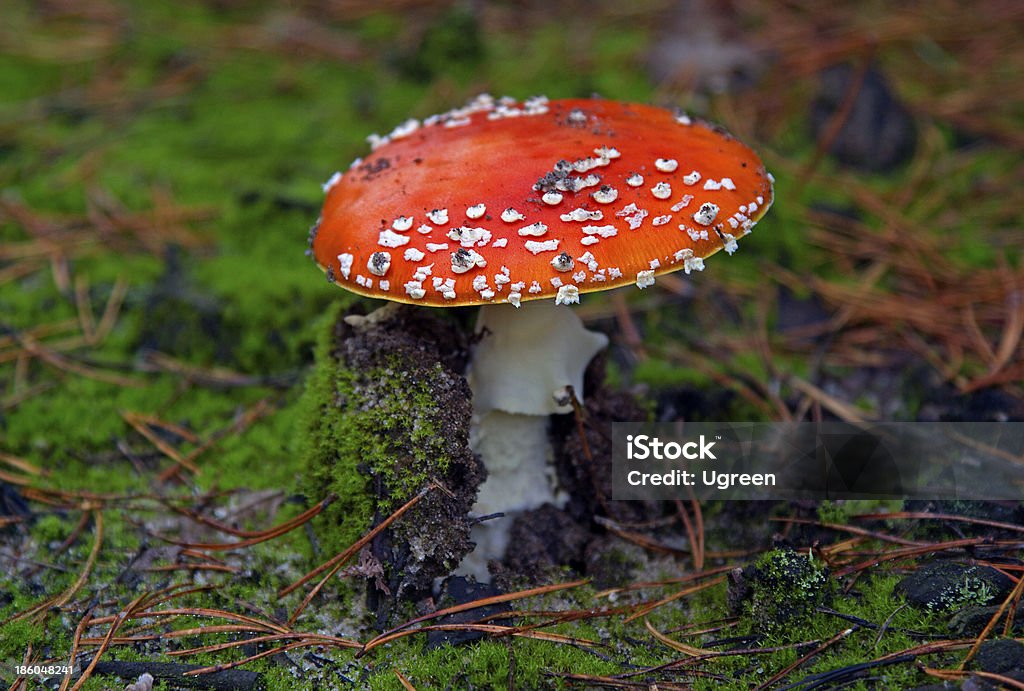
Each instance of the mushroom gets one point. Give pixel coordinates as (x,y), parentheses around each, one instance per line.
(521,208)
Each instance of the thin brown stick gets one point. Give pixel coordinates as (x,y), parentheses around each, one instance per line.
(335,563)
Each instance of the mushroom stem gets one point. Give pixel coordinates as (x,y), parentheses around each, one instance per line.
(519,373)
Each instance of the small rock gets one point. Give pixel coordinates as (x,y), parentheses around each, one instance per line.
(947,586)
(878,133)
(457,590)
(1001,657)
(970,621)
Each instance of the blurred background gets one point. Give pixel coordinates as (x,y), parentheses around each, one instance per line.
(161,163)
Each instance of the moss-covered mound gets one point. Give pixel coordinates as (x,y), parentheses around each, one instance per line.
(387,416)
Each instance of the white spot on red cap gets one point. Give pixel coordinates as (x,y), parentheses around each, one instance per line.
(662,190)
(682,203)
(405,129)
(402,223)
(582,214)
(438,216)
(422,272)
(476,211)
(604,231)
(464,259)
(334,179)
(693,264)
(445,286)
(470,237)
(379,263)
(389,238)
(535,230)
(563,262)
(666,165)
(552,198)
(692,179)
(536,247)
(705,215)
(510,215)
(635,180)
(413,255)
(606,195)
(345,264)
(436,247)
(683,254)
(634,216)
(644,279)
(414,289)
(567,295)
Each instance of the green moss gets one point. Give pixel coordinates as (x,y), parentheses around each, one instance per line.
(360,428)
(788,586)
(487,664)
(662,374)
(970,591)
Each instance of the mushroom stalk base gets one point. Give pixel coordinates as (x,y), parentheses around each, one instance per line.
(520,477)
(522,367)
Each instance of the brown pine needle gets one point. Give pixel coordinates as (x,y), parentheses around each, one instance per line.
(23,465)
(642,585)
(143,424)
(923,515)
(51,357)
(111,310)
(484,602)
(881,537)
(275,532)
(40,611)
(910,552)
(311,638)
(690,650)
(952,675)
(406,684)
(796,663)
(333,565)
(1011,599)
(646,609)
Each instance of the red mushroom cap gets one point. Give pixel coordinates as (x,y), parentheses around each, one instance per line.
(501,201)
